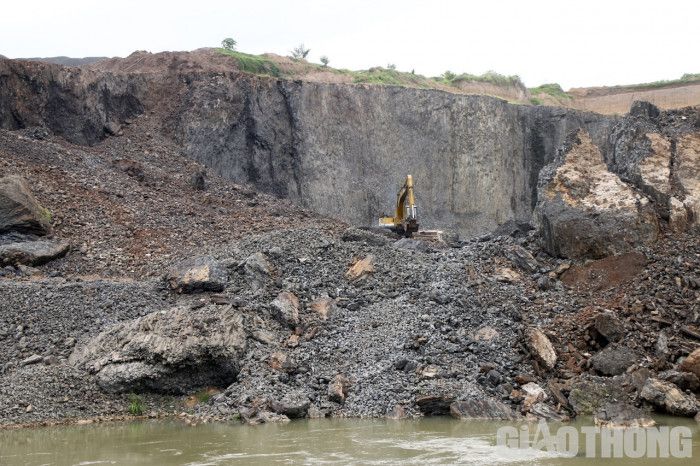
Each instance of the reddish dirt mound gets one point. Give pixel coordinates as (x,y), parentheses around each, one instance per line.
(604,274)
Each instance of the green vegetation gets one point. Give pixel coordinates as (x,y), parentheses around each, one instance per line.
(391,77)
(229,44)
(136,405)
(686,78)
(490,77)
(261,65)
(203,395)
(552,89)
(535,101)
(254,64)
(45,214)
(690,77)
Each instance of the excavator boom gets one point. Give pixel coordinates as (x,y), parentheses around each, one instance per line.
(405,221)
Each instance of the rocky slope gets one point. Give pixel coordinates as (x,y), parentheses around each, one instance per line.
(178,279)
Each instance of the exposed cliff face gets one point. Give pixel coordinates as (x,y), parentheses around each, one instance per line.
(79,105)
(339,149)
(343,150)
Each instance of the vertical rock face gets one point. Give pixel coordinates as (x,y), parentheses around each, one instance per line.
(339,149)
(77,104)
(659,154)
(343,150)
(687,172)
(584,210)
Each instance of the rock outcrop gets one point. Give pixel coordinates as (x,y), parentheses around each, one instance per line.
(586,211)
(666,397)
(173,351)
(19,209)
(32,252)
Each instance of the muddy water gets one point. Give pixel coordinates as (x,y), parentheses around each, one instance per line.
(424,441)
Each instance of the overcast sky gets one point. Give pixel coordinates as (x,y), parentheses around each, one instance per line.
(585,43)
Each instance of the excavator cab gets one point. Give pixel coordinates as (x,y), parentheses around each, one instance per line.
(405,222)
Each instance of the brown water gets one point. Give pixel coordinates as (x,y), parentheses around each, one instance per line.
(423,441)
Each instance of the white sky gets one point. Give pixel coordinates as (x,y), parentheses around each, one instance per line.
(582,43)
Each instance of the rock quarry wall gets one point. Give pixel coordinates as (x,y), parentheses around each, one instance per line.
(342,150)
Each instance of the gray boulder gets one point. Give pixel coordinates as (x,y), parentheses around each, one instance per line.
(521,258)
(197,275)
(19,209)
(615,414)
(294,405)
(668,398)
(32,252)
(173,351)
(613,360)
(585,211)
(354,234)
(482,408)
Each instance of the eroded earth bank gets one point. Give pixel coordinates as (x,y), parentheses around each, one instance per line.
(176,230)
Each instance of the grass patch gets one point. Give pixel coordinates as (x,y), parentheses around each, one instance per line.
(253,64)
(535,101)
(136,405)
(490,77)
(686,78)
(45,214)
(379,75)
(203,395)
(552,89)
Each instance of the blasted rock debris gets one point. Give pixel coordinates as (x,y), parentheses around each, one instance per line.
(300,315)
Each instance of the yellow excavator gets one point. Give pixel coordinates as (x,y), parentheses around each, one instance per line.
(405,222)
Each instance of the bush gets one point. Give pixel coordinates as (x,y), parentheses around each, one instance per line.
(448,76)
(325,60)
(136,405)
(552,89)
(300,52)
(228,44)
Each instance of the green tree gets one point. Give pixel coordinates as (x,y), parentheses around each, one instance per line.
(325,60)
(448,75)
(300,51)
(391,66)
(228,44)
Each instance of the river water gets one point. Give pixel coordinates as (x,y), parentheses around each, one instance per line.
(327,441)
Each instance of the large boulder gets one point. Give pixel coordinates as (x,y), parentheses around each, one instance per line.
(541,348)
(32,252)
(614,360)
(173,351)
(692,363)
(19,209)
(482,408)
(585,211)
(668,398)
(197,275)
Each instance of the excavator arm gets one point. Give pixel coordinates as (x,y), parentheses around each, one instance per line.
(405,221)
